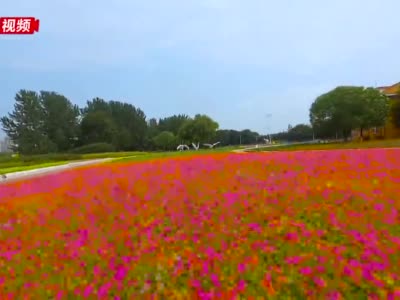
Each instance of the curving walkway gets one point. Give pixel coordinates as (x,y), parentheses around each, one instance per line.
(49,170)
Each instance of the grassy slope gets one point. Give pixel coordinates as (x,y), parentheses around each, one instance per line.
(31,167)
(330,146)
(16,164)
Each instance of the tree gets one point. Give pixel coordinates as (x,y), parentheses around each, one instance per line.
(228,137)
(61,122)
(165,140)
(25,124)
(173,123)
(248,137)
(201,129)
(300,132)
(346,108)
(131,124)
(124,121)
(376,109)
(98,127)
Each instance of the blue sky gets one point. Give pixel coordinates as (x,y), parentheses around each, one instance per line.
(236,61)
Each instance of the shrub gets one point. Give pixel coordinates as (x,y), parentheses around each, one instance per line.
(94,148)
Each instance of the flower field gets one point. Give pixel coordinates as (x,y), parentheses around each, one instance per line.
(281,225)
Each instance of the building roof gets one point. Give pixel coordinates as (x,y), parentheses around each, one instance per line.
(390,90)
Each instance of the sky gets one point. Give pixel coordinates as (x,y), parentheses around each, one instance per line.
(249,64)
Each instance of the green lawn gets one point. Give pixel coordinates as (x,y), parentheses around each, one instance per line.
(153,155)
(10,164)
(31,167)
(112,154)
(330,146)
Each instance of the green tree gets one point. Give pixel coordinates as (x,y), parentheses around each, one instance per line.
(300,132)
(376,109)
(152,131)
(94,105)
(228,137)
(165,140)
(126,123)
(25,124)
(131,124)
(98,127)
(201,129)
(172,123)
(61,122)
(248,137)
(346,108)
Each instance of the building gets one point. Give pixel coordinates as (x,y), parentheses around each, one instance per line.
(390,130)
(393,92)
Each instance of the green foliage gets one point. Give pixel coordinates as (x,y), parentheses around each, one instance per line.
(201,129)
(94,148)
(376,108)
(25,126)
(165,140)
(234,137)
(98,127)
(114,122)
(300,132)
(172,124)
(61,120)
(346,108)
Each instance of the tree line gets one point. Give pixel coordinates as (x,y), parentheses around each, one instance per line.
(48,122)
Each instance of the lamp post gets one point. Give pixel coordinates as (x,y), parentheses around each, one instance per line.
(268,117)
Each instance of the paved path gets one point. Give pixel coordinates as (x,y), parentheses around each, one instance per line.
(50,170)
(243,150)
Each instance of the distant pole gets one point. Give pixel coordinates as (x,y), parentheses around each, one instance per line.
(240,139)
(268,117)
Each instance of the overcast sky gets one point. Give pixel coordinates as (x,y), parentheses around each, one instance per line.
(235,60)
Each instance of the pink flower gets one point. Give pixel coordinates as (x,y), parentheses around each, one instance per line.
(241,286)
(121,273)
(195,283)
(291,236)
(306,271)
(87,291)
(206,268)
(215,280)
(293,260)
(335,295)
(319,282)
(103,290)
(241,268)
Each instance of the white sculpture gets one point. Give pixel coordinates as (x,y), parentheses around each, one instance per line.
(211,145)
(196,147)
(182,147)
